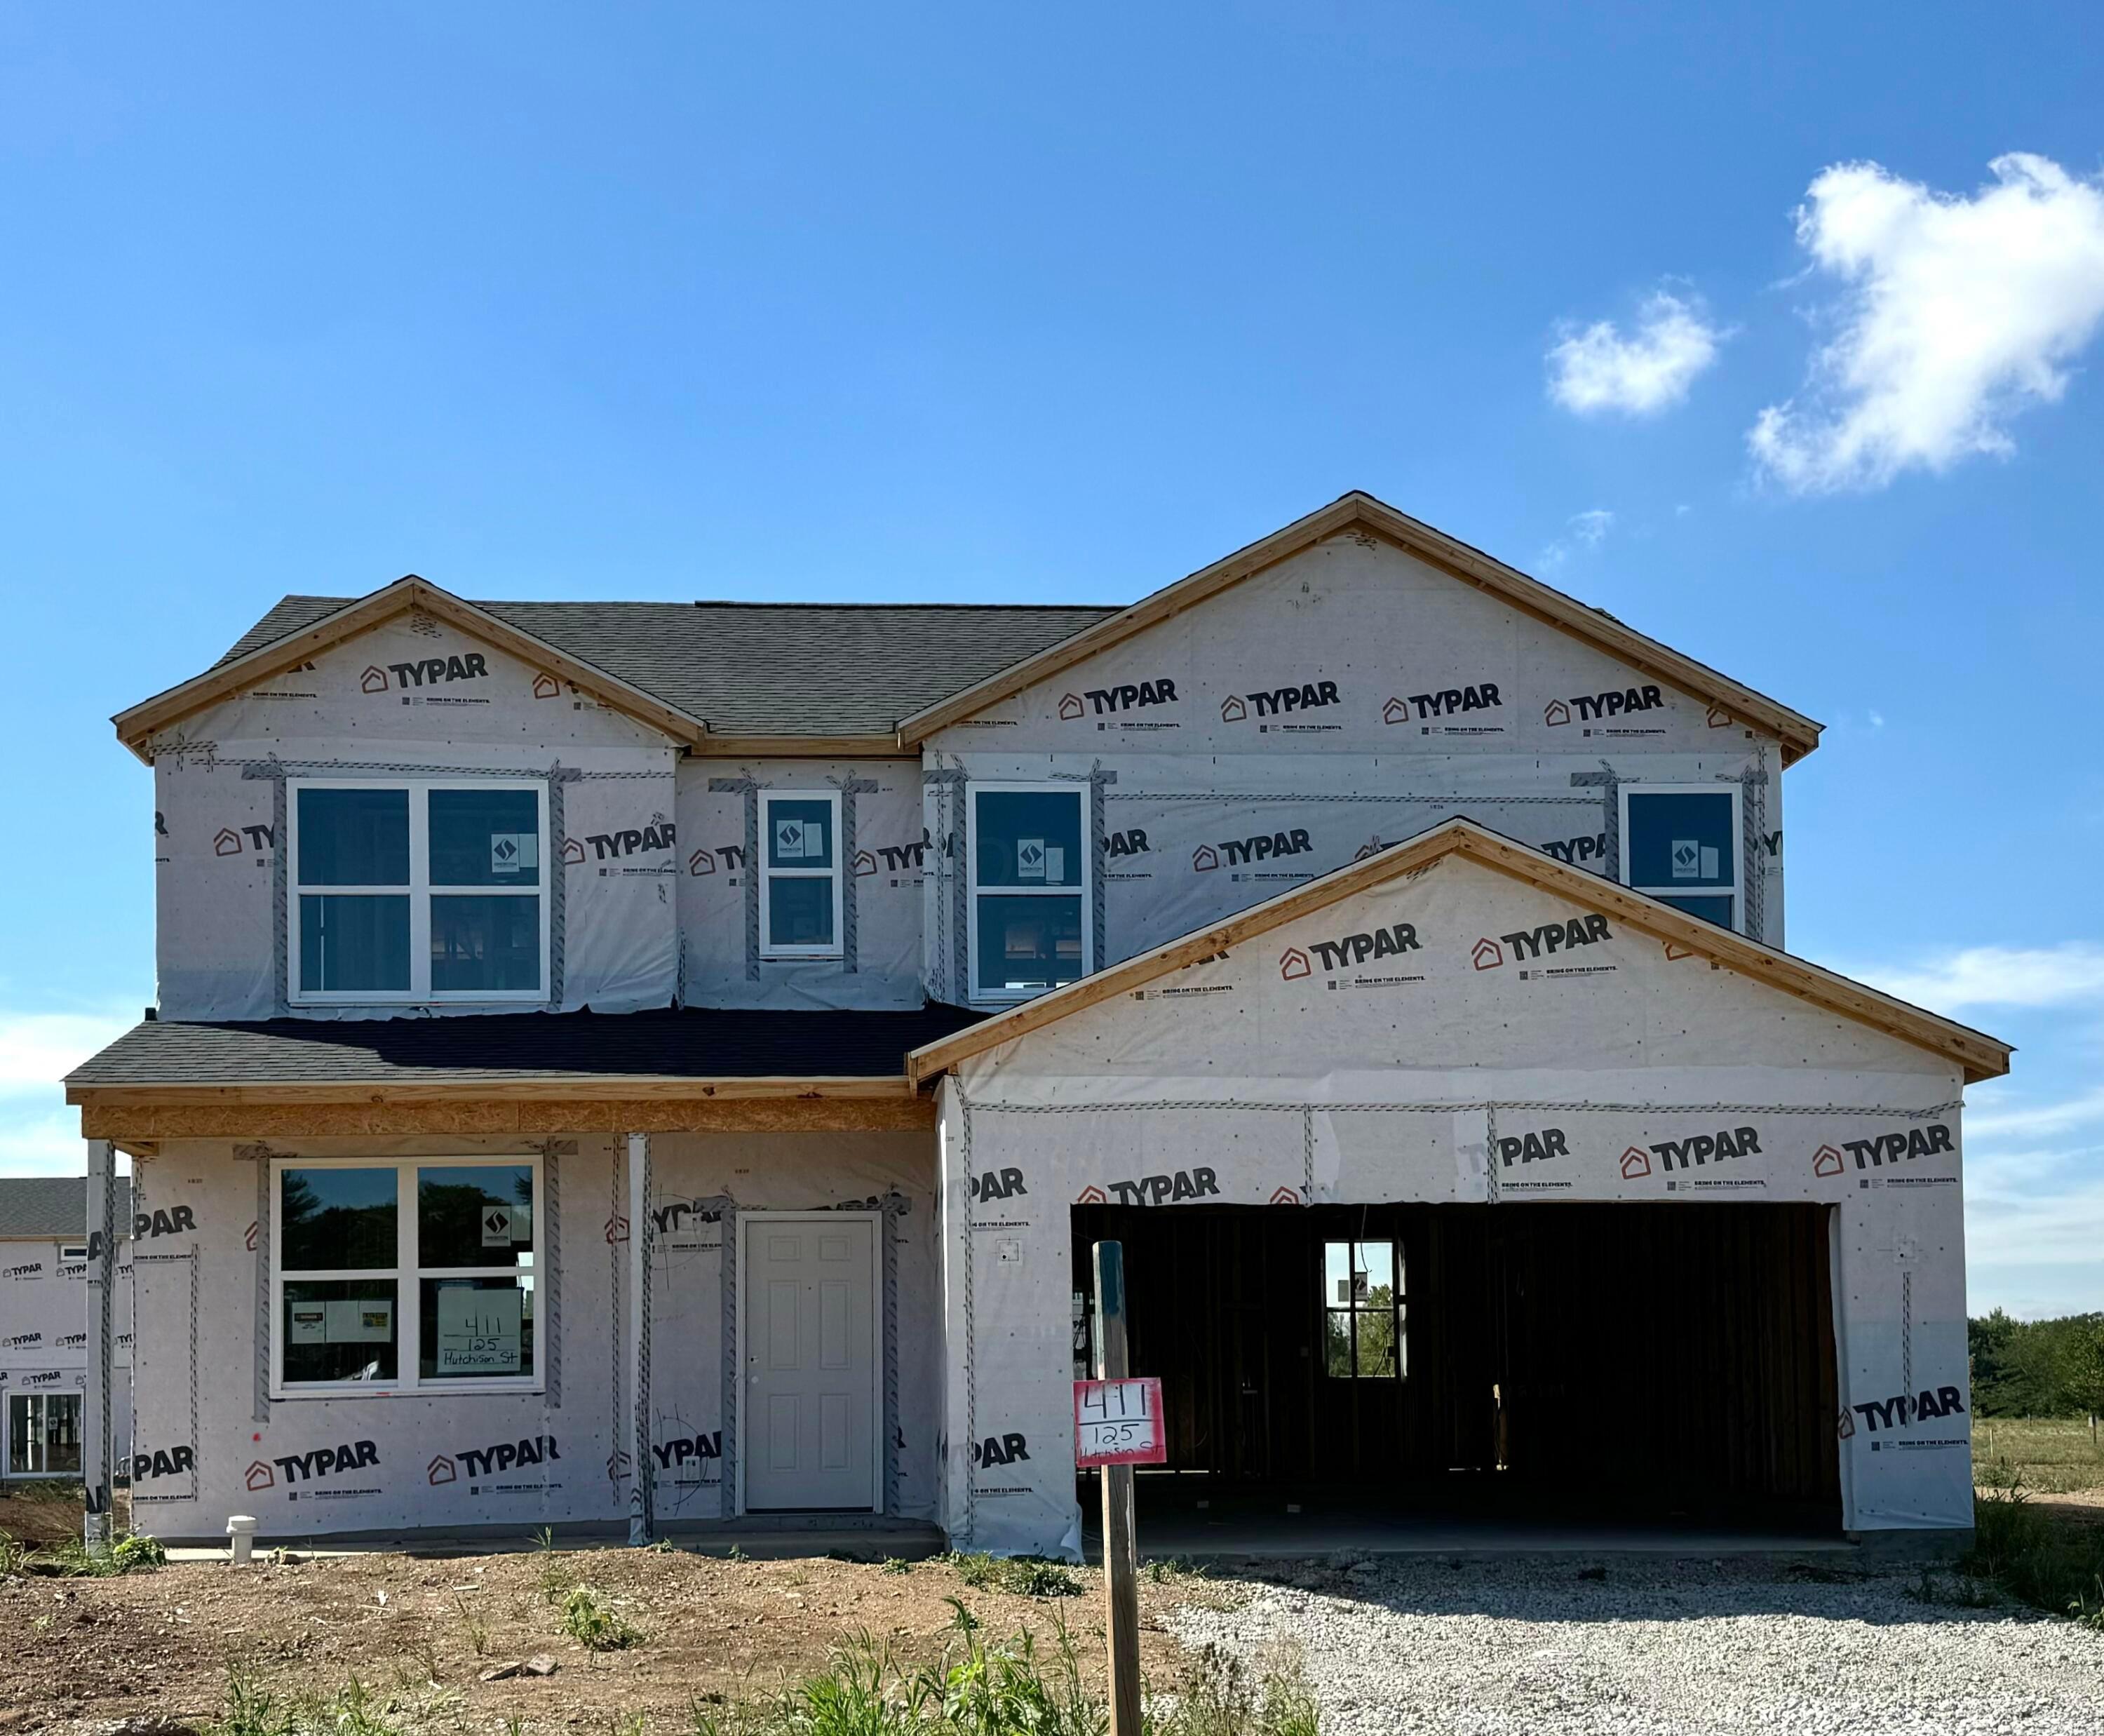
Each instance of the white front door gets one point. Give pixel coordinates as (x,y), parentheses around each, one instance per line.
(812,1319)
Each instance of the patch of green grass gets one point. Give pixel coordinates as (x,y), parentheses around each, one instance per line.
(2027,1553)
(477,1627)
(1169,1569)
(134,1552)
(587,1619)
(896,1564)
(249,1707)
(14,1555)
(1021,1576)
(2049,1455)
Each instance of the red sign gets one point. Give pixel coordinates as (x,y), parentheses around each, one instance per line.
(1119,1422)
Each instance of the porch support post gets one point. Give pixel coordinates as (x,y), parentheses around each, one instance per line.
(635,1381)
(98,1462)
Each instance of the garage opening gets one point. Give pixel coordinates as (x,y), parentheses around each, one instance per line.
(1641,1361)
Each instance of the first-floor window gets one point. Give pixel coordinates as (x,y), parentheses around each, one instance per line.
(1681,844)
(800,883)
(1030,929)
(407,1275)
(43,1434)
(1363,1311)
(418,890)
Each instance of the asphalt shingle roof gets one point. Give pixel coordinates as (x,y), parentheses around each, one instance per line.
(770,668)
(684,1043)
(53,1205)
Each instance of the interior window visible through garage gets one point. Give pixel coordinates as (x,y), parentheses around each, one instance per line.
(1363,1311)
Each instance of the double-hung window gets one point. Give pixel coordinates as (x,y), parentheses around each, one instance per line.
(402,1277)
(422,891)
(1681,844)
(799,881)
(1030,929)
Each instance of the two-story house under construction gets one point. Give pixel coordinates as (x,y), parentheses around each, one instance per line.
(665,1065)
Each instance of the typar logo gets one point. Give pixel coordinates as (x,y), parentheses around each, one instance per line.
(21,1341)
(1701,1149)
(442,1470)
(1127,696)
(1909,1143)
(1293,965)
(429,671)
(1598,708)
(1195,1183)
(1826,1161)
(1000,1449)
(732,856)
(688,1449)
(1578,851)
(1533,1147)
(323,1462)
(1487,954)
(546,686)
(483,1463)
(1132,841)
(27,1269)
(260,1476)
(1902,1410)
(227,842)
(1243,852)
(1092,1195)
(1636,1164)
(1718,718)
(1284,1196)
(1554,937)
(1449,702)
(1356,949)
(162,1461)
(630,840)
(1279,702)
(998,1184)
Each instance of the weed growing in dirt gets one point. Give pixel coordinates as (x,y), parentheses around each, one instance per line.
(587,1619)
(250,1708)
(2022,1550)
(554,1583)
(737,1555)
(896,1564)
(1012,1689)
(1959,1592)
(1024,1575)
(1170,1568)
(478,1628)
(132,1553)
(14,1555)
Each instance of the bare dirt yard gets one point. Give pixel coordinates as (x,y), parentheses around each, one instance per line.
(424,1634)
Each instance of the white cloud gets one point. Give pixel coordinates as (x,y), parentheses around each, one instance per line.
(38,1134)
(1954,313)
(2063,976)
(1586,529)
(1597,369)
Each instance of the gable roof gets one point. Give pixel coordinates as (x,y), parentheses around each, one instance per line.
(1358,510)
(708,673)
(41,1206)
(1982,1056)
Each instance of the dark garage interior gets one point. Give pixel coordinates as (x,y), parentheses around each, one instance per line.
(1662,1363)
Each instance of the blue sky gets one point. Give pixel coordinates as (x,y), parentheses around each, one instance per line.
(953,302)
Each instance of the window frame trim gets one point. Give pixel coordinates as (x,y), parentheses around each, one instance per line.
(837,873)
(1085,891)
(1736,891)
(419,890)
(408,1284)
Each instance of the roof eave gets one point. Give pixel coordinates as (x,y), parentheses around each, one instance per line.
(436,1085)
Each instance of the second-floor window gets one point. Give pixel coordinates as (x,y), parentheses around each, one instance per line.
(1030,929)
(800,884)
(1681,844)
(418,890)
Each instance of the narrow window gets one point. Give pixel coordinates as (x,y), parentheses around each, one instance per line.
(1030,872)
(424,890)
(43,1434)
(800,884)
(406,1276)
(1363,1312)
(1681,843)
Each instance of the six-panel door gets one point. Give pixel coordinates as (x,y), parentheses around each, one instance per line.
(810,1354)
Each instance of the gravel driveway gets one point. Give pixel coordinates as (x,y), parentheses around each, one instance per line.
(1628,1647)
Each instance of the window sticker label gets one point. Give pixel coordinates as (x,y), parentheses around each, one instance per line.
(1030,858)
(794,841)
(514,852)
(479,1331)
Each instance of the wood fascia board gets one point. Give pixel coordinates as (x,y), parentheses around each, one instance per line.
(137,722)
(140,1129)
(1798,734)
(541,1087)
(885,746)
(1982,1056)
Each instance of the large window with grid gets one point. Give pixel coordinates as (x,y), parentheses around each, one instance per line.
(402,1277)
(418,890)
(1030,889)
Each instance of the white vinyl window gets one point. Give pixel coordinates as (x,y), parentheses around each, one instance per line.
(800,876)
(427,890)
(1683,844)
(408,1276)
(1030,889)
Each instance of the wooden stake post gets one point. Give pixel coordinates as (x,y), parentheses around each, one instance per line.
(1117,1424)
